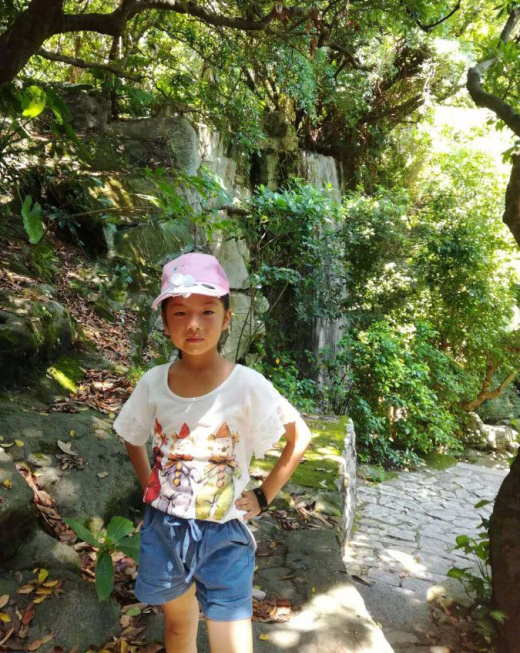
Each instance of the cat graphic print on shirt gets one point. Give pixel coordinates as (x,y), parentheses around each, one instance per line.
(202,446)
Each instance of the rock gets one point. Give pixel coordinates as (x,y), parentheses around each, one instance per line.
(152,243)
(349,479)
(246,324)
(498,437)
(44,551)
(31,331)
(159,138)
(487,436)
(329,503)
(232,255)
(18,518)
(213,154)
(79,493)
(88,108)
(77,618)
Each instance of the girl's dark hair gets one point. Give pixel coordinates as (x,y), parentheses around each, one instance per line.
(225,299)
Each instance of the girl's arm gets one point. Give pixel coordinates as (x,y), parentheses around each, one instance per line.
(139,459)
(298,436)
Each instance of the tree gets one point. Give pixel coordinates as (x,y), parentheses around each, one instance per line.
(499,68)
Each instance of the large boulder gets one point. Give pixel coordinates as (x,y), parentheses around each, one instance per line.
(487,436)
(18,517)
(152,243)
(97,483)
(160,140)
(246,324)
(33,327)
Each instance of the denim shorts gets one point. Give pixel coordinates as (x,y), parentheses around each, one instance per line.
(218,558)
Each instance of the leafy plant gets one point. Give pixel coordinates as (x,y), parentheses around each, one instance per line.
(118,537)
(476,581)
(32,220)
(285,375)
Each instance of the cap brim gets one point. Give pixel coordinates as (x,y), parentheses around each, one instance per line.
(187,291)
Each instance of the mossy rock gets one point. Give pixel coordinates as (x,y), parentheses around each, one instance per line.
(152,243)
(32,331)
(321,464)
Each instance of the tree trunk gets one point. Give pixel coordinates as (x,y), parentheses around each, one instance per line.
(26,35)
(505,559)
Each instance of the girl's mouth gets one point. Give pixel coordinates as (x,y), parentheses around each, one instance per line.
(194,339)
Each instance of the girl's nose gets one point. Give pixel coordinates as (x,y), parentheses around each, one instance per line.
(193,323)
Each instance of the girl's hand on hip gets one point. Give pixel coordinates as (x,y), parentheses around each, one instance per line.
(248,502)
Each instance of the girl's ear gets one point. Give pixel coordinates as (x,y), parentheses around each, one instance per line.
(227,320)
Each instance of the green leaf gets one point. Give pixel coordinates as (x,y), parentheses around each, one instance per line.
(498,615)
(118,528)
(133,611)
(130,547)
(34,100)
(32,220)
(104,576)
(82,532)
(457,572)
(58,106)
(462,540)
(481,504)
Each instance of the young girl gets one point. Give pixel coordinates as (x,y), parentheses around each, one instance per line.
(208,417)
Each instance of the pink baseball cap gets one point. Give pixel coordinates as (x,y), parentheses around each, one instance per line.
(198,274)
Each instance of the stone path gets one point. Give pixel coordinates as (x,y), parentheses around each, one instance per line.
(402,548)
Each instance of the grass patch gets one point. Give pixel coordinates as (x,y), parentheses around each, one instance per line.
(321,462)
(439,460)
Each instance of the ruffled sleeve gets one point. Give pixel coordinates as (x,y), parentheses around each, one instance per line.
(269,412)
(134,422)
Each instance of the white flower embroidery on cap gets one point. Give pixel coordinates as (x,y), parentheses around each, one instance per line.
(178,279)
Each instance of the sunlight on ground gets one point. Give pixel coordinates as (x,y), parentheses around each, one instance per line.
(338,614)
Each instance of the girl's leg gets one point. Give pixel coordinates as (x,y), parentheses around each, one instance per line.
(181,621)
(230,636)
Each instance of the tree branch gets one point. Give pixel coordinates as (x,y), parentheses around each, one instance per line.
(81,63)
(429,28)
(486,100)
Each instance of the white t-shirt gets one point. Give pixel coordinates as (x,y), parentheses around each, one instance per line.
(202,446)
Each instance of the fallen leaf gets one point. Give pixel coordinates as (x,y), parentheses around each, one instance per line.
(72,433)
(5,617)
(25,589)
(66,448)
(41,599)
(3,600)
(6,445)
(264,637)
(19,443)
(28,614)
(102,474)
(51,583)
(42,575)
(40,642)
(7,484)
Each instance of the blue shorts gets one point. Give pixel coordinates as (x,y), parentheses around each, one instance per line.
(218,558)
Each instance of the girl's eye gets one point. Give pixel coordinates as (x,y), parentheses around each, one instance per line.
(179,313)
(209,312)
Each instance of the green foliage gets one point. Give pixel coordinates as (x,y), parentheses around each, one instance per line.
(32,220)
(117,537)
(429,307)
(290,380)
(290,233)
(401,391)
(477,581)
